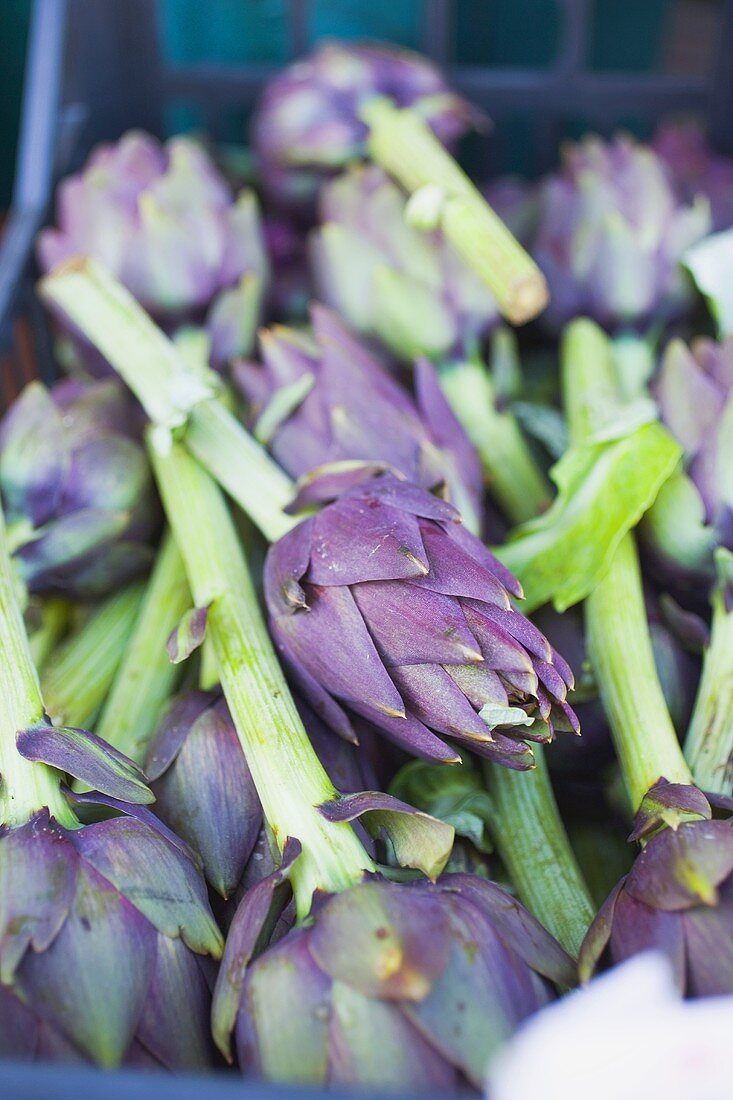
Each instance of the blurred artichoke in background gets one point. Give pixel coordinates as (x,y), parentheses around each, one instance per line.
(307,124)
(390,280)
(409,986)
(384,602)
(677,899)
(695,169)
(610,233)
(328,398)
(693,513)
(76,488)
(164,221)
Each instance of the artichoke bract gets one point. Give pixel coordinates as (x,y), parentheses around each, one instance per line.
(696,169)
(400,986)
(677,899)
(328,398)
(163,219)
(77,489)
(610,233)
(307,123)
(411,289)
(203,787)
(385,603)
(693,513)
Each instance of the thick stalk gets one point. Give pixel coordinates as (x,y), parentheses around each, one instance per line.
(172,394)
(81,672)
(709,741)
(619,642)
(514,477)
(54,622)
(289,778)
(146,677)
(444,197)
(25,788)
(534,846)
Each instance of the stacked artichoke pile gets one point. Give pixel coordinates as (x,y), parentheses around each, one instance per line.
(312,572)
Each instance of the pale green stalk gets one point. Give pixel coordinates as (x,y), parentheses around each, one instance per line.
(289,778)
(146,677)
(25,787)
(535,849)
(80,673)
(619,642)
(709,740)
(443,197)
(515,479)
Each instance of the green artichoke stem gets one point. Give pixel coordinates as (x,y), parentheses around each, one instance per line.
(402,143)
(146,677)
(619,642)
(54,622)
(173,394)
(25,787)
(515,479)
(534,846)
(80,673)
(709,740)
(288,775)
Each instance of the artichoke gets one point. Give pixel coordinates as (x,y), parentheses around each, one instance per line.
(328,398)
(101,925)
(385,603)
(307,124)
(695,169)
(693,513)
(77,489)
(388,279)
(677,899)
(610,234)
(409,986)
(163,219)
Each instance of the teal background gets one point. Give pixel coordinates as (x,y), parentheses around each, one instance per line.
(626,35)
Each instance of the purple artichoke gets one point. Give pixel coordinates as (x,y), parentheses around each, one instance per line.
(164,221)
(677,899)
(345,406)
(101,931)
(77,489)
(307,124)
(610,233)
(693,513)
(695,169)
(391,986)
(291,288)
(388,279)
(385,603)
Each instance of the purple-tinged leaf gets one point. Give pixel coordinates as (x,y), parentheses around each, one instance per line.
(86,757)
(188,635)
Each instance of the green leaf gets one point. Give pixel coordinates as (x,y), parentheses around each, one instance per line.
(456,795)
(604,488)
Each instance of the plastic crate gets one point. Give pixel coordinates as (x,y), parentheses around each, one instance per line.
(95,68)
